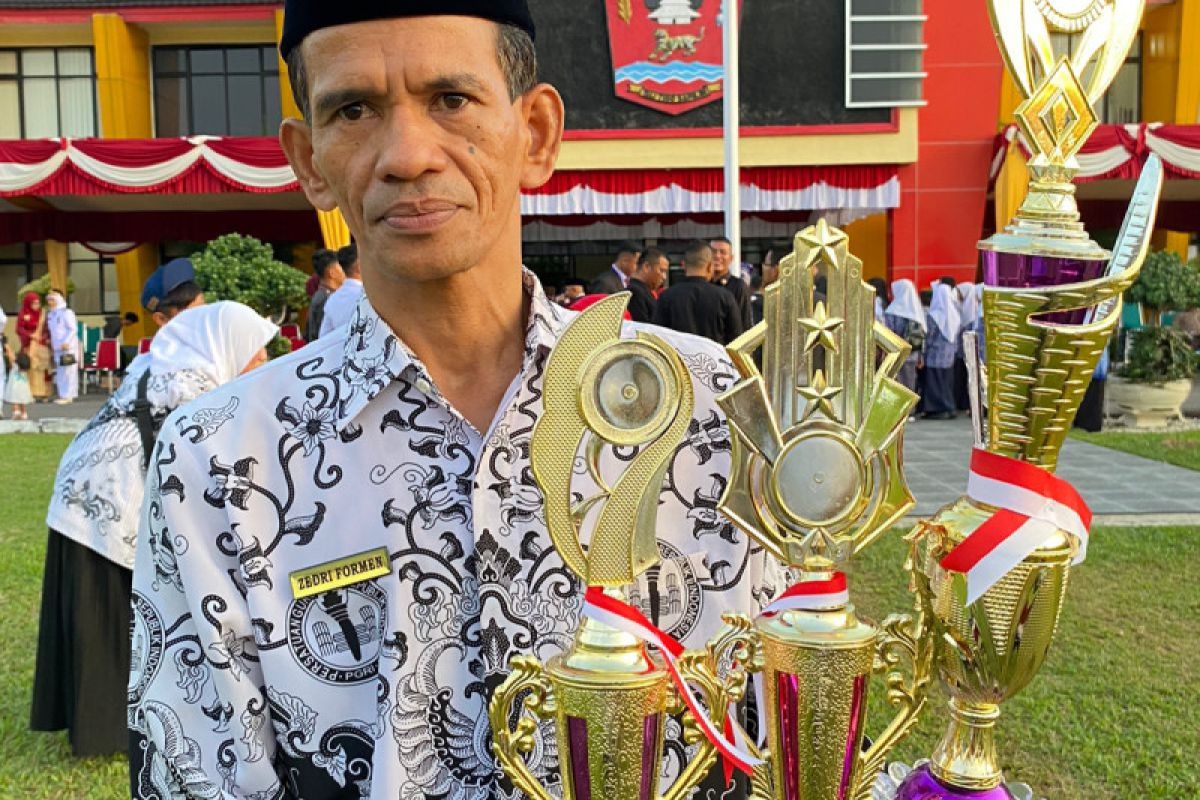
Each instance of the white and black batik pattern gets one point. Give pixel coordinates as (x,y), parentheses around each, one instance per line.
(379,689)
(99,486)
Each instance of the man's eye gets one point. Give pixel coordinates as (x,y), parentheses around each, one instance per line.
(454,102)
(353,112)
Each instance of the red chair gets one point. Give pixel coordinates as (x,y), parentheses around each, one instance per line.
(290,331)
(108,360)
(144,345)
(297,343)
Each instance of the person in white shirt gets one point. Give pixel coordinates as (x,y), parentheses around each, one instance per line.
(340,305)
(399,441)
(83,642)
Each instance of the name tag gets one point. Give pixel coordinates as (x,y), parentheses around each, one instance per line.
(342,572)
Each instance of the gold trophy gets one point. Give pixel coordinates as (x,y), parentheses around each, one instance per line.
(816,477)
(1051,300)
(606,697)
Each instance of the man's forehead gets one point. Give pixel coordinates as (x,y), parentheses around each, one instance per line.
(433,44)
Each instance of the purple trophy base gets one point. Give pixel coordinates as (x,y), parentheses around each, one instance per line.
(581,781)
(1027,271)
(921,784)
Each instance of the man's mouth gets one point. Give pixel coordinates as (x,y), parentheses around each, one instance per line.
(419,217)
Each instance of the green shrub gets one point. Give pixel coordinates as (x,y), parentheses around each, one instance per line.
(42,287)
(241,268)
(279,346)
(1166,283)
(1158,355)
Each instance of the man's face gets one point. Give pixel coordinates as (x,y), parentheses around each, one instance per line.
(413,136)
(573,292)
(335,276)
(722,257)
(655,275)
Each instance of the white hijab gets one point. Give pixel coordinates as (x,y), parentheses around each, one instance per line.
(906,302)
(944,311)
(968,303)
(218,340)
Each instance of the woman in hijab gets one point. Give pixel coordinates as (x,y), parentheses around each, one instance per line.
(35,342)
(64,344)
(84,644)
(968,308)
(905,317)
(941,346)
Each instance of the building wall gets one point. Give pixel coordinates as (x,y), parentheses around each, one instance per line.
(943,194)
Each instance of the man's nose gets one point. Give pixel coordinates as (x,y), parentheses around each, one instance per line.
(412,146)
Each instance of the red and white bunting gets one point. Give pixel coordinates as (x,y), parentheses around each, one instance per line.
(732,743)
(1033,505)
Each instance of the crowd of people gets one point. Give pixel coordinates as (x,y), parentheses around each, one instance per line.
(710,300)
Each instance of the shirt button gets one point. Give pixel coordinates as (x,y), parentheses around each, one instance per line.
(424,386)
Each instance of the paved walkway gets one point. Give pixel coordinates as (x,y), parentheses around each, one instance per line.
(1120,488)
(1113,483)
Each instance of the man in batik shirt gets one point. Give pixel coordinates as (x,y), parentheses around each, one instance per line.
(395,452)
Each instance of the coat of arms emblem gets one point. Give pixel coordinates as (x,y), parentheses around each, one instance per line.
(667,54)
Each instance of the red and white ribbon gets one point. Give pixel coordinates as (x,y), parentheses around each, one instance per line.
(732,743)
(811,595)
(1033,505)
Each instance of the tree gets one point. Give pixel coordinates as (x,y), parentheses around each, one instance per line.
(241,268)
(1165,283)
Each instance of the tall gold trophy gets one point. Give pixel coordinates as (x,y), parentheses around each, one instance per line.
(816,477)
(1051,300)
(607,699)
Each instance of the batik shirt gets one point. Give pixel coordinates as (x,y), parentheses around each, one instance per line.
(939,350)
(379,689)
(100,482)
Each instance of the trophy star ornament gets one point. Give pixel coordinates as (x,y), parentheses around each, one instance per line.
(816,476)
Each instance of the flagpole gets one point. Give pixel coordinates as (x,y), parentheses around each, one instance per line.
(733,197)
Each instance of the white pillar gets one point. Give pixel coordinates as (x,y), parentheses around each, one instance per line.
(733,196)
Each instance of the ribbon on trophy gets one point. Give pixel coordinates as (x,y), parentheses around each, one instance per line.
(813,594)
(1033,504)
(617,614)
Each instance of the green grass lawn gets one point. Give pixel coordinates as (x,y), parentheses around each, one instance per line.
(1112,715)
(1180,448)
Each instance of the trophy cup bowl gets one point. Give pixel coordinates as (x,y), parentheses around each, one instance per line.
(606,697)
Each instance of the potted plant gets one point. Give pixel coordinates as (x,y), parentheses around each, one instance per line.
(1165,283)
(241,268)
(1151,386)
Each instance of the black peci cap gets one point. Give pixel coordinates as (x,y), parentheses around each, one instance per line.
(302,17)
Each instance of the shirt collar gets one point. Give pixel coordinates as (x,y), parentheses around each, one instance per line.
(624,278)
(373,356)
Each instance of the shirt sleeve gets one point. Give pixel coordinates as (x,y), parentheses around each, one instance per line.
(199,724)
(733,320)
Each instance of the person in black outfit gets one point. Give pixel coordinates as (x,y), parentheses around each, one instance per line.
(616,278)
(722,250)
(694,305)
(647,279)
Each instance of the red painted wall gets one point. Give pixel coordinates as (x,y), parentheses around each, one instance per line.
(938,222)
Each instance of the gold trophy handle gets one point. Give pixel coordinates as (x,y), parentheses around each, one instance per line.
(508,745)
(905,638)
(737,642)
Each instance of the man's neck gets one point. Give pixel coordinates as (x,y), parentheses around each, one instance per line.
(468,330)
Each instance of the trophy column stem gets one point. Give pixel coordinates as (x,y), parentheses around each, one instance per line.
(966,757)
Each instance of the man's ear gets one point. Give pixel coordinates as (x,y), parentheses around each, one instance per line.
(296,138)
(543,109)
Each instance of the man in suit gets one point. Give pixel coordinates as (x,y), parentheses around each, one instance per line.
(696,305)
(722,250)
(617,277)
(648,278)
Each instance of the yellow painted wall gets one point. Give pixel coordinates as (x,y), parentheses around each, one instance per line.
(45,35)
(869,242)
(212,33)
(123,89)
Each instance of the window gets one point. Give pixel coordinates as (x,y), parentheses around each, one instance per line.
(1122,103)
(19,264)
(885,48)
(95,279)
(47,92)
(218,91)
